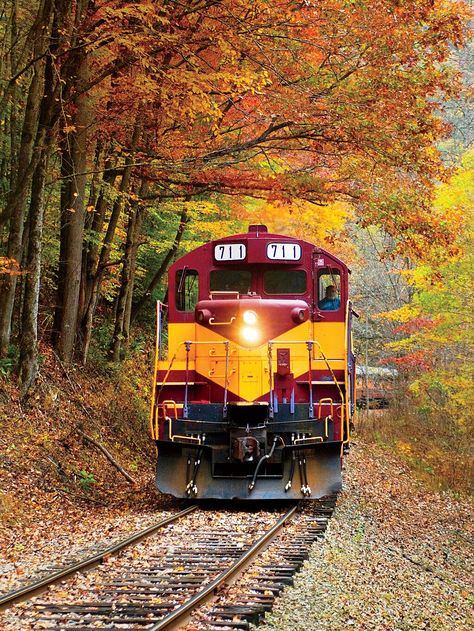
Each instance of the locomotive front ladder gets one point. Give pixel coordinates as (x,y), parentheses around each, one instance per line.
(188,344)
(310,344)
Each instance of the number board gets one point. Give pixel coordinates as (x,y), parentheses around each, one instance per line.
(284,251)
(230,252)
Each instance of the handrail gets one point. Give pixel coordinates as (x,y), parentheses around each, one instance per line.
(326,400)
(155,371)
(192,439)
(309,344)
(226,379)
(155,426)
(270,380)
(212,321)
(163,383)
(187,345)
(328,417)
(335,381)
(346,373)
(165,405)
(190,342)
(155,430)
(206,342)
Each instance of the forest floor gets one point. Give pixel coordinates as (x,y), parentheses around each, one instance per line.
(397,555)
(57,490)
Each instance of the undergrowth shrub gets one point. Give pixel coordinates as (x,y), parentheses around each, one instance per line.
(431,442)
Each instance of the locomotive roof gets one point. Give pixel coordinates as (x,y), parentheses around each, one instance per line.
(261,232)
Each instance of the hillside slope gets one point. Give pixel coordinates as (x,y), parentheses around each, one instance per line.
(49,468)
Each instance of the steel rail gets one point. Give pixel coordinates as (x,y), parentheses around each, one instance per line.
(203,594)
(26,592)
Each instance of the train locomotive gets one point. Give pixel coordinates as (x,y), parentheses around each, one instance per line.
(253,390)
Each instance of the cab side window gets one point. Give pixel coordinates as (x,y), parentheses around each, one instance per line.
(187,289)
(329,289)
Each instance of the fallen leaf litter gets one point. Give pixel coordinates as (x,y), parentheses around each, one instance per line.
(396,556)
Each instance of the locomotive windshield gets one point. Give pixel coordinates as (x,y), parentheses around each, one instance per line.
(230,280)
(284,281)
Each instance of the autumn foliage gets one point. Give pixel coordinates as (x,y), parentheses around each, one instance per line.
(134,112)
(432,346)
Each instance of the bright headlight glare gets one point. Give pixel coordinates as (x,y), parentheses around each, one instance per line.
(250,317)
(250,335)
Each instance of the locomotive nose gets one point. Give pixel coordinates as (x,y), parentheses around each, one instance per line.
(252,320)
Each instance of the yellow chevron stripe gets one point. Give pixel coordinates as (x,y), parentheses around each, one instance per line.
(248,369)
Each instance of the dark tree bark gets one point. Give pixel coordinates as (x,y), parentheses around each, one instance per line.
(121,333)
(17,200)
(28,363)
(15,123)
(41,38)
(74,149)
(91,253)
(135,246)
(28,360)
(125,288)
(94,192)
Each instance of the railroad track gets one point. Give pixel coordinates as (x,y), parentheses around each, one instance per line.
(246,601)
(162,581)
(36,587)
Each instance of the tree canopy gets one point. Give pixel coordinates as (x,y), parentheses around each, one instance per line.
(117,114)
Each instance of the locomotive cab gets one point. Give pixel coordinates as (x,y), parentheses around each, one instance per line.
(253,396)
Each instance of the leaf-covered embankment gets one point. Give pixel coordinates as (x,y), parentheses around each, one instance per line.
(51,476)
(397,556)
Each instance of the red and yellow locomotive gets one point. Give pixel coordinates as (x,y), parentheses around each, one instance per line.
(255,397)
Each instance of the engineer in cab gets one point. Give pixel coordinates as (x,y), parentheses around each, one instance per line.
(331,300)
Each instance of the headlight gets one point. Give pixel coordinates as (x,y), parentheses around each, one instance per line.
(250,317)
(250,335)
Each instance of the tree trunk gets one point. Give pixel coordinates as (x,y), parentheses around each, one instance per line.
(40,36)
(28,364)
(135,246)
(125,288)
(91,255)
(74,161)
(95,189)
(107,243)
(183,221)
(9,282)
(14,114)
(124,302)
(18,198)
(28,361)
